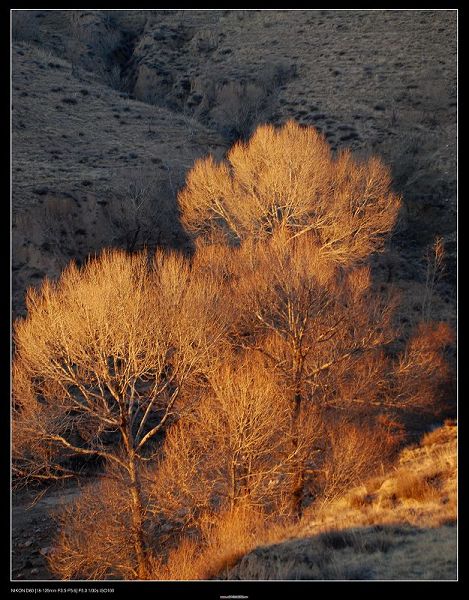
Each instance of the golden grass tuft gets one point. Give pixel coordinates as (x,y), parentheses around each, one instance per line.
(420,490)
(223,539)
(414,486)
(441,435)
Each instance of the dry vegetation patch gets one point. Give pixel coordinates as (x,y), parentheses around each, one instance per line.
(397,526)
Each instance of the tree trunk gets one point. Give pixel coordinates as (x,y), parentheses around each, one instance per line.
(233,484)
(137,521)
(131,244)
(299,476)
(136,505)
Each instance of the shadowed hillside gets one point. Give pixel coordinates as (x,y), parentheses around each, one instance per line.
(401,525)
(100,95)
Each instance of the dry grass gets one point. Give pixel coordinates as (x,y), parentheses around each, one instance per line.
(420,491)
(381,552)
(438,435)
(223,539)
(400,525)
(413,486)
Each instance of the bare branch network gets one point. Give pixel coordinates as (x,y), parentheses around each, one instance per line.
(265,373)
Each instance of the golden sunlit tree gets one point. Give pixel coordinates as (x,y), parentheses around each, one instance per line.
(329,336)
(300,221)
(102,362)
(235,448)
(309,320)
(288,178)
(264,372)
(95,538)
(225,472)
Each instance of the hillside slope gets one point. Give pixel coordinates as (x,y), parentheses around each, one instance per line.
(100,97)
(401,525)
(81,151)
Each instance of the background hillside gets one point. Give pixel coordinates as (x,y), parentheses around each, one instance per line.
(103,99)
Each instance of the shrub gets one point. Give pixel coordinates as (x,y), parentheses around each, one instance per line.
(223,538)
(355,454)
(415,486)
(95,537)
(233,449)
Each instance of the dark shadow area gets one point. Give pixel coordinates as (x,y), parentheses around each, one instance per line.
(33,527)
(397,551)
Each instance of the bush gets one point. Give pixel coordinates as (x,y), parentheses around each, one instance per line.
(223,538)
(95,538)
(355,454)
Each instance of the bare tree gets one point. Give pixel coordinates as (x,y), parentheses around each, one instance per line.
(422,371)
(237,107)
(102,362)
(325,331)
(288,178)
(139,211)
(261,345)
(235,448)
(224,537)
(354,453)
(435,265)
(92,39)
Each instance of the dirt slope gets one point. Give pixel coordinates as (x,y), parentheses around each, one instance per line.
(77,146)
(401,525)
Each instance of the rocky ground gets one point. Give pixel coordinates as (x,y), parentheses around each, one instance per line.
(34,528)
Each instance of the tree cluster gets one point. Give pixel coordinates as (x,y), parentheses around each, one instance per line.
(266,371)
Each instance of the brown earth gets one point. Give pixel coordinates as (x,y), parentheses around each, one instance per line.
(33,528)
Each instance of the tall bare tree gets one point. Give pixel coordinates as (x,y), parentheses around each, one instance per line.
(288,178)
(235,447)
(327,333)
(101,364)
